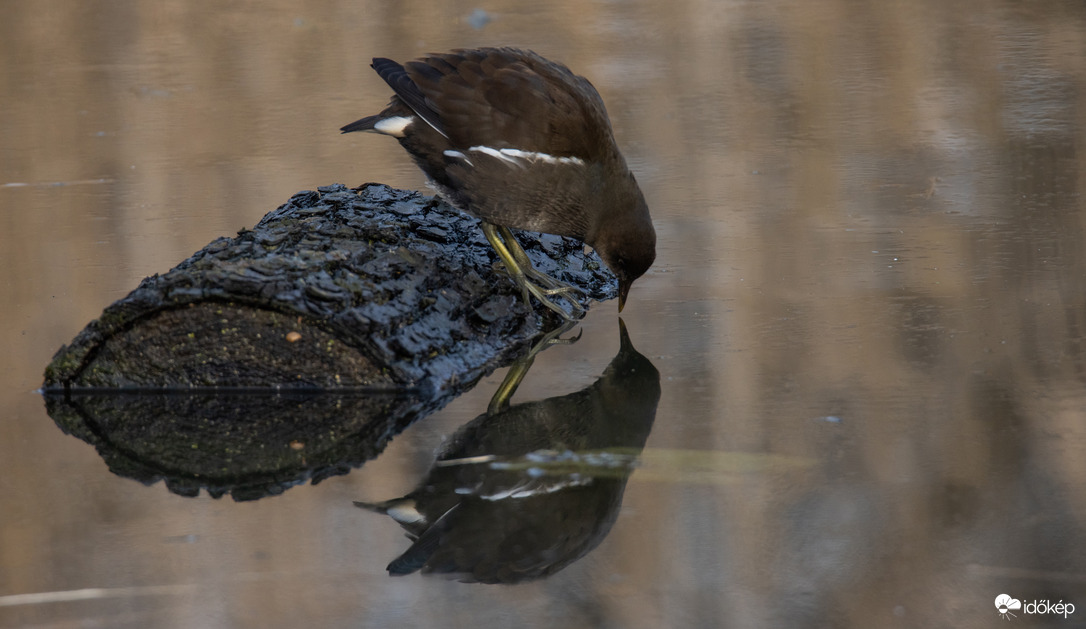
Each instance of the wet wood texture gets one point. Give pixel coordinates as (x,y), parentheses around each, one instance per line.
(372,288)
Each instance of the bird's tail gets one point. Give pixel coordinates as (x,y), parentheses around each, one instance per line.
(365,124)
(403,510)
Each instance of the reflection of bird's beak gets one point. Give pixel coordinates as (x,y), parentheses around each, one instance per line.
(623,335)
(623,290)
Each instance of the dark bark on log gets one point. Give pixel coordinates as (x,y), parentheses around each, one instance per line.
(373,289)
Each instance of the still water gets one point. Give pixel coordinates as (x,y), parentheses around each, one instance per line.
(868,310)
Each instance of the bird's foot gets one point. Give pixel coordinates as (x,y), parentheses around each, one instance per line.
(553,285)
(516,373)
(557,290)
(554,337)
(532,282)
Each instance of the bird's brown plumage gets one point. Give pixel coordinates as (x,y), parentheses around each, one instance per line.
(520,142)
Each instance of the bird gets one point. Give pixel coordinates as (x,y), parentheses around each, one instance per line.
(520,142)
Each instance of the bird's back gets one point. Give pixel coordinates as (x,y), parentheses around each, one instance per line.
(509,136)
(504,98)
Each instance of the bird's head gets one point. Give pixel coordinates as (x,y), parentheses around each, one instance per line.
(626,239)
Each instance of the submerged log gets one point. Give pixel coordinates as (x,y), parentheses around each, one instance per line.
(372,288)
(249,446)
(258,444)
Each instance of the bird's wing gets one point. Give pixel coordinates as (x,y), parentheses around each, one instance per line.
(503,98)
(404,86)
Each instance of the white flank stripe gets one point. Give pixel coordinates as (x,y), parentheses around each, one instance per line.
(517,156)
(458,155)
(533,156)
(486,150)
(393,126)
(527,490)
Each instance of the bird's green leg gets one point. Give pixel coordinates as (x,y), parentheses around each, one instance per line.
(519,369)
(554,286)
(491,233)
(517,264)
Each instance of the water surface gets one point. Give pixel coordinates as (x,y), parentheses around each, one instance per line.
(868,310)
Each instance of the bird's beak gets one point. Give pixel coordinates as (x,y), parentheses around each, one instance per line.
(623,290)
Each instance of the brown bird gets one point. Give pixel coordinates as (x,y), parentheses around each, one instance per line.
(520,142)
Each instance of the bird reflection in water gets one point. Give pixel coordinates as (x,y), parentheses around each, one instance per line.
(524,490)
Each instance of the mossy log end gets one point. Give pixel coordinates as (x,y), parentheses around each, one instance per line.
(371,288)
